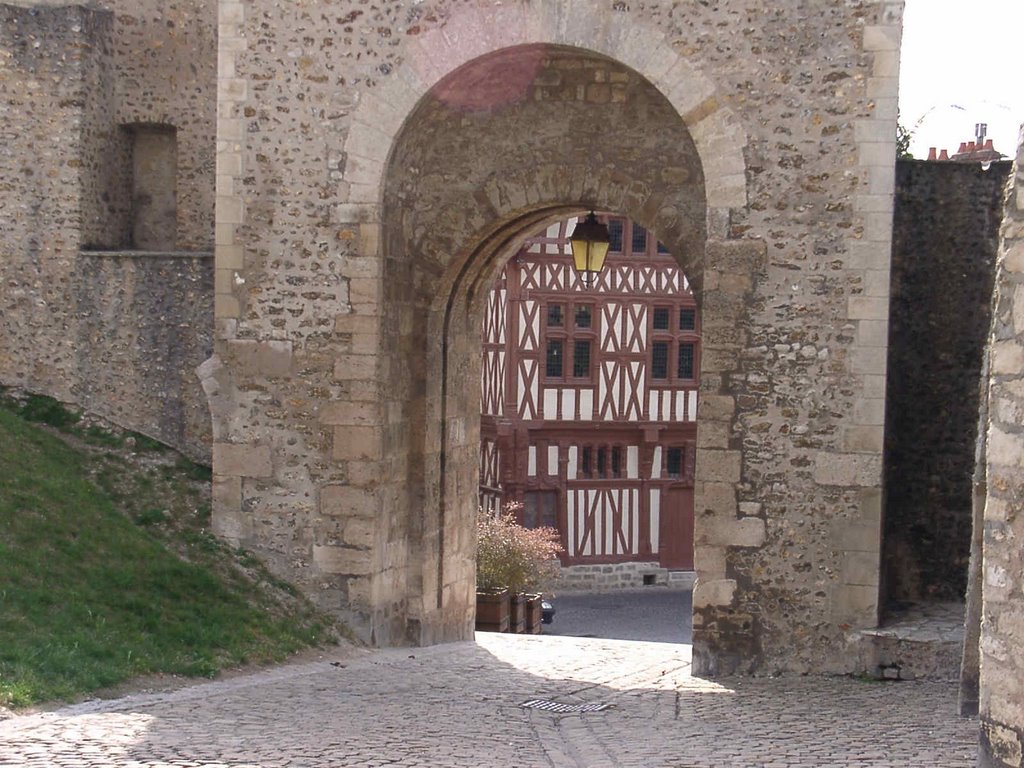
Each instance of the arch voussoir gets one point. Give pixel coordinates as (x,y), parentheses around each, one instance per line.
(468,34)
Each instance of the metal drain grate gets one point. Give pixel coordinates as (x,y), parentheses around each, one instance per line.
(554,706)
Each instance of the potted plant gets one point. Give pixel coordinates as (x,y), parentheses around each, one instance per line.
(534,614)
(513,560)
(493,610)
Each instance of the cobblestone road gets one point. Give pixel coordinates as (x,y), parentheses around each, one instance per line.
(459,705)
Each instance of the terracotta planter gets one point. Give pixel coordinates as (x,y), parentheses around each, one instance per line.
(534,615)
(517,620)
(492,611)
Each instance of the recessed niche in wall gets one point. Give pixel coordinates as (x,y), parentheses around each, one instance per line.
(154,181)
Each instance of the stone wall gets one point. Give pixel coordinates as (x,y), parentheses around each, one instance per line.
(1002,629)
(944,247)
(622,576)
(145,322)
(74,82)
(351,261)
(44,87)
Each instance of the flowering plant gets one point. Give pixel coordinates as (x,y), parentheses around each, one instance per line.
(510,555)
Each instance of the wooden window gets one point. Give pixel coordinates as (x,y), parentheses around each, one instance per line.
(615,233)
(639,240)
(540,509)
(659,360)
(555,359)
(687,319)
(673,346)
(616,462)
(584,317)
(660,318)
(662,248)
(555,317)
(586,463)
(686,360)
(602,462)
(581,359)
(674,462)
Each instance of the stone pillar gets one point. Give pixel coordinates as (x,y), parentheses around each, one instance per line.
(723,635)
(857,538)
(1001,705)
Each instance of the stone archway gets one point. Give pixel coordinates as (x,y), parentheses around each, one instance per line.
(545,192)
(466,180)
(346,263)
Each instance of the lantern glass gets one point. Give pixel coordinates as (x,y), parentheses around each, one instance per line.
(590,242)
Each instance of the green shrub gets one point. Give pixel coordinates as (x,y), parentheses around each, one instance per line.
(46,410)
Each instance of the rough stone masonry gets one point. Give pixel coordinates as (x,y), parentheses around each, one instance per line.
(1002,626)
(89,315)
(375,165)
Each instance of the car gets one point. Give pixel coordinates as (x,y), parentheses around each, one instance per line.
(547,611)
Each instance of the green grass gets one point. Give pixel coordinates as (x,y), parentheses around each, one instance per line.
(108,571)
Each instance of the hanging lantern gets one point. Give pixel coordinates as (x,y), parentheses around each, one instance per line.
(590,241)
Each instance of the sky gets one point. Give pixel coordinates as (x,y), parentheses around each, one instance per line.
(961,64)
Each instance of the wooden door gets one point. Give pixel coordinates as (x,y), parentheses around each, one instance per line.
(675,531)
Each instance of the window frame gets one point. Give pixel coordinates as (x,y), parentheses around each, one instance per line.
(674,337)
(536,508)
(680,452)
(601,461)
(569,334)
(548,342)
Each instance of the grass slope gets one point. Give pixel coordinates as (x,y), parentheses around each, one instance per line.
(107,570)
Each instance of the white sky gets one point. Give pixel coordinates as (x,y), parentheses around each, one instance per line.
(962,64)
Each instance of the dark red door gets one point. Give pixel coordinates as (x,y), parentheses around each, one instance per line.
(675,531)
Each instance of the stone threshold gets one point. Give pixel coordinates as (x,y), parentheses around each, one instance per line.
(918,641)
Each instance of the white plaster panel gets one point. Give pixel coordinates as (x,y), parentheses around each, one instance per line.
(655,517)
(569,404)
(586,404)
(550,403)
(570,519)
(604,513)
(633,462)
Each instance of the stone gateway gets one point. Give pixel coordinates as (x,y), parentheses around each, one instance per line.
(376,169)
(363,172)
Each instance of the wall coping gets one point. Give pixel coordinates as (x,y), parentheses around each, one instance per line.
(130,254)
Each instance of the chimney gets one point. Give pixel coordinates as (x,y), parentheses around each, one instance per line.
(943,155)
(931,153)
(963,148)
(988,145)
(980,130)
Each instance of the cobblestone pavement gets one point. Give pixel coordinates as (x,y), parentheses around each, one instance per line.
(459,705)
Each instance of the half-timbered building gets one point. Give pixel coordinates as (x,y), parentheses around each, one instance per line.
(589,401)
